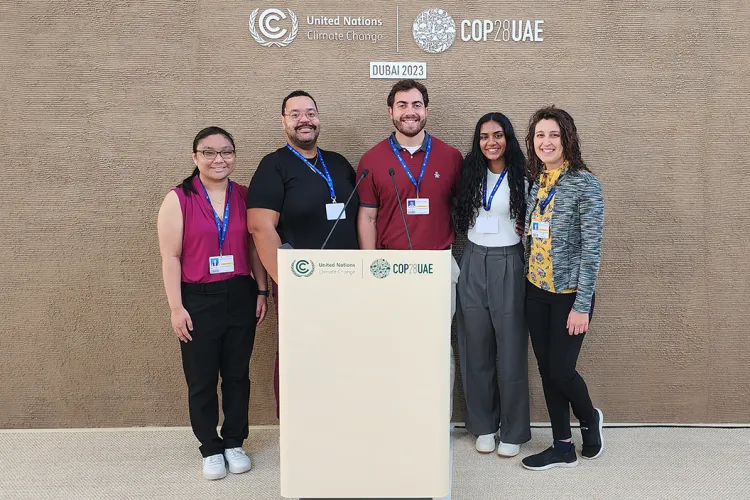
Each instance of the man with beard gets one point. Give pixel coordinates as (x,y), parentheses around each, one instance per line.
(426,171)
(298,192)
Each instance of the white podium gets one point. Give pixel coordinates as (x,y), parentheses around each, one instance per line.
(364,339)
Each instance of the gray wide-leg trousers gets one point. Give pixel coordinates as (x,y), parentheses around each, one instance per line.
(493,341)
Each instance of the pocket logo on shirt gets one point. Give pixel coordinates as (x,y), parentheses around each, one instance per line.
(302,268)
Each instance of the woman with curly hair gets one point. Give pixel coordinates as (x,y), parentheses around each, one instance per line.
(492,338)
(564,222)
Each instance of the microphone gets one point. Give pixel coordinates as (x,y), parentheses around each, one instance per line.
(343,210)
(392,173)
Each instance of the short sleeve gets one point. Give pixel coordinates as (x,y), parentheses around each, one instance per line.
(366,191)
(266,189)
(351,175)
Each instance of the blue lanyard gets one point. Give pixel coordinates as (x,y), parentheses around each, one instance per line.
(547,200)
(327,177)
(488,203)
(403,163)
(221,226)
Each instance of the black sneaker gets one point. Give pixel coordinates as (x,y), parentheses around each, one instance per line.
(551,457)
(593,439)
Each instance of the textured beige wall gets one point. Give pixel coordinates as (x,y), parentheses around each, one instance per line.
(99,102)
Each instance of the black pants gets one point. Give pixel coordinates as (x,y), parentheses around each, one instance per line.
(223,315)
(556,355)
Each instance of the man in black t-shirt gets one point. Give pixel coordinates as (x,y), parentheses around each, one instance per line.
(298,191)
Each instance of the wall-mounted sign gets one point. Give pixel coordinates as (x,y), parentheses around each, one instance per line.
(398,70)
(434,30)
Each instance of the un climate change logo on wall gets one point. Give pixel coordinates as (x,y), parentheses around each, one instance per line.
(434,30)
(380,268)
(302,268)
(268,24)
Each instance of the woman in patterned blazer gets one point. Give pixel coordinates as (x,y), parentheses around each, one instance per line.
(564,222)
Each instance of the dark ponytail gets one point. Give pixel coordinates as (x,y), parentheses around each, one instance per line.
(187,184)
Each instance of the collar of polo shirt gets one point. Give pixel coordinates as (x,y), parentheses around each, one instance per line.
(423,147)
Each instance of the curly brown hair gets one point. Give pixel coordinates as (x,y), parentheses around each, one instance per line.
(568,136)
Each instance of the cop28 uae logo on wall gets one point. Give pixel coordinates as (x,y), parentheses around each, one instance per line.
(269,23)
(302,268)
(434,30)
(380,268)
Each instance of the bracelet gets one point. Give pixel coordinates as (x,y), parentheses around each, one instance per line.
(263,292)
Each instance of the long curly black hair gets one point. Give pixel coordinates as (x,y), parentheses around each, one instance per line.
(474,170)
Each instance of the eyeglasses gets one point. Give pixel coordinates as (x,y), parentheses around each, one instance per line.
(211,155)
(296,115)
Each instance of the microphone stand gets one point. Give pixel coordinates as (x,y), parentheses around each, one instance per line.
(343,210)
(392,173)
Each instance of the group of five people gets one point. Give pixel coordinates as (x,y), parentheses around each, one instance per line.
(533,225)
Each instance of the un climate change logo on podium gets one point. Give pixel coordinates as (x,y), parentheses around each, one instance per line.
(434,30)
(302,268)
(269,28)
(380,268)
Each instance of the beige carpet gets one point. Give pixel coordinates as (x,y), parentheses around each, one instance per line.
(164,464)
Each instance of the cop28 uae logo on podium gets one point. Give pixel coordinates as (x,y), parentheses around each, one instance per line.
(302,268)
(380,268)
(270,30)
(434,30)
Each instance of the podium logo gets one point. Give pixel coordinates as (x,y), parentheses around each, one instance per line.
(270,24)
(434,30)
(380,268)
(302,268)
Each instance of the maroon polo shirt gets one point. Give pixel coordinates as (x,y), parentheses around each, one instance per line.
(428,232)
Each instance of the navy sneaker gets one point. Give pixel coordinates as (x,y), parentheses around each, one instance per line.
(551,457)
(593,439)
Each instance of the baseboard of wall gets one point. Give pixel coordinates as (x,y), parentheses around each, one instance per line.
(457,425)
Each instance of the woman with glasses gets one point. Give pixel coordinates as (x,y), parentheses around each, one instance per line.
(564,222)
(210,268)
(492,337)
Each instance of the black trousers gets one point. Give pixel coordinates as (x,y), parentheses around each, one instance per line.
(556,354)
(223,315)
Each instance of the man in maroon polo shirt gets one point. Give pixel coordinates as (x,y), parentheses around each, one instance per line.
(426,171)
(426,188)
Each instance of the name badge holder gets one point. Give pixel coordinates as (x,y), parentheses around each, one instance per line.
(219,264)
(415,206)
(489,224)
(333,209)
(540,228)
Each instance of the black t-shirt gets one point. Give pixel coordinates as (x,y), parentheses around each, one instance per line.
(283,183)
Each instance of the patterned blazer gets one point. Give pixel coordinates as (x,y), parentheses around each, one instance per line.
(576,228)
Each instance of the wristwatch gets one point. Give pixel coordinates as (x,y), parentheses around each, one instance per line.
(263,292)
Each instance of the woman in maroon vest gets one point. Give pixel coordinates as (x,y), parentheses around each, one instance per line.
(208,264)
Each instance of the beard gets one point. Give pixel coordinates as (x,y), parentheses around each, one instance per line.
(304,142)
(410,130)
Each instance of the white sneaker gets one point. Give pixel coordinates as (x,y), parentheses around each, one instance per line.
(508,450)
(213,467)
(238,461)
(486,443)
